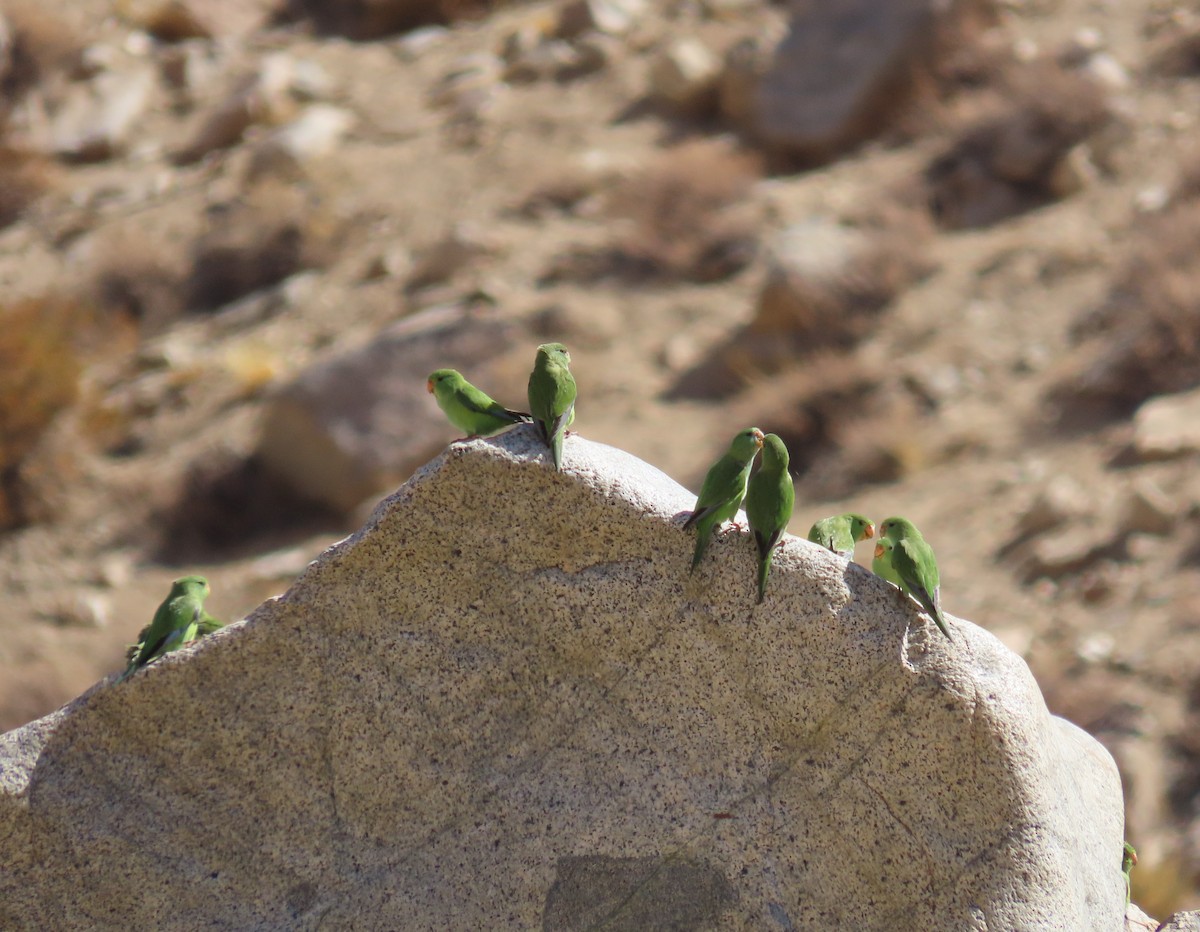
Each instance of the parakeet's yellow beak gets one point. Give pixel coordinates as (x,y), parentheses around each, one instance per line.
(429,386)
(868,531)
(878,551)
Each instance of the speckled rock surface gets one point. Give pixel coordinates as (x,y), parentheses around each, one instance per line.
(504,704)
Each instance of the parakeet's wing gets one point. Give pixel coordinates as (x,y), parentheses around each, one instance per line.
(478,402)
(916,564)
(720,485)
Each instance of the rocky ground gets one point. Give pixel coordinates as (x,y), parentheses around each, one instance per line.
(954,272)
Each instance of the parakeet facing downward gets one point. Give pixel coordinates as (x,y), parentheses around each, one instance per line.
(552,396)
(723,489)
(175,623)
(769,499)
(912,564)
(841,532)
(468,408)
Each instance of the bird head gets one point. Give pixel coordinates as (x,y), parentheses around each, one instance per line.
(438,377)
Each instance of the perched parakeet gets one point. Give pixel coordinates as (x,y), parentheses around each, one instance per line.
(468,408)
(552,396)
(769,499)
(1128,860)
(175,623)
(881,566)
(723,489)
(841,532)
(913,566)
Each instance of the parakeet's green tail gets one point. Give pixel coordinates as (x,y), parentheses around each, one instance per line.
(701,546)
(940,620)
(556,447)
(764,569)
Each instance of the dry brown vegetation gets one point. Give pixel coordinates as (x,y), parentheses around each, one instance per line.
(24,177)
(39,377)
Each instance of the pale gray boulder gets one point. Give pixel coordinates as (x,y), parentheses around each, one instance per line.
(505,704)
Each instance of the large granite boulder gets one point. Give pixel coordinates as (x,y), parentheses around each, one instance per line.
(505,704)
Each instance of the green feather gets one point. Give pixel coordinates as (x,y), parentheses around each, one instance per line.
(552,396)
(914,567)
(175,623)
(723,489)
(769,500)
(841,532)
(468,408)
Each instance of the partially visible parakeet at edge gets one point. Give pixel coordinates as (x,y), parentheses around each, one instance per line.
(469,409)
(175,623)
(723,489)
(841,532)
(912,564)
(769,500)
(552,396)
(1128,860)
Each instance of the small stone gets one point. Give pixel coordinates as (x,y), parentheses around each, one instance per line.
(261,98)
(1167,426)
(614,17)
(115,571)
(86,609)
(1067,552)
(684,76)
(1148,509)
(416,43)
(1108,72)
(470,80)
(314,134)
(98,121)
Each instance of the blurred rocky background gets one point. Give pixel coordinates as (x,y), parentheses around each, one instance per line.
(946,249)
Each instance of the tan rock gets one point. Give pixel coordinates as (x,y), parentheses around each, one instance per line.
(1168,426)
(684,76)
(98,119)
(350,426)
(504,704)
(1148,509)
(845,68)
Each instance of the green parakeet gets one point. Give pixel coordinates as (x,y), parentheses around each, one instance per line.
(552,396)
(175,623)
(841,532)
(723,489)
(468,408)
(913,566)
(769,499)
(1128,860)
(881,566)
